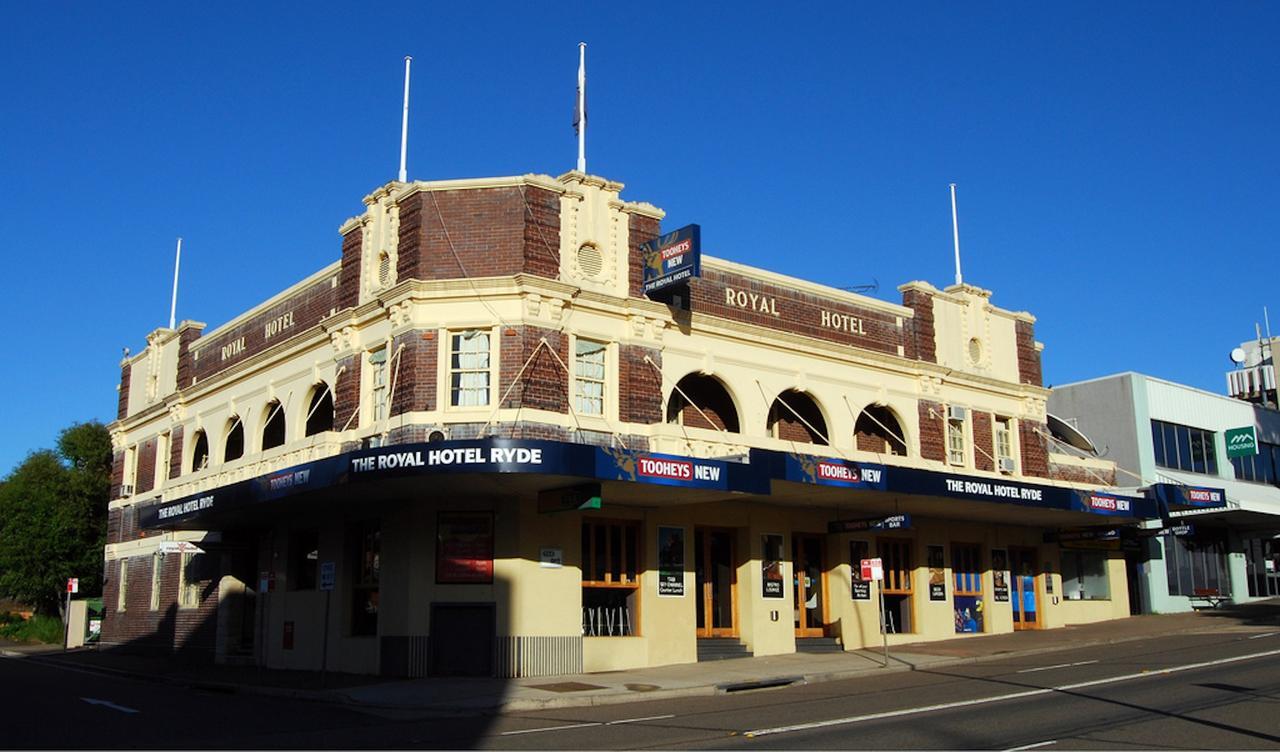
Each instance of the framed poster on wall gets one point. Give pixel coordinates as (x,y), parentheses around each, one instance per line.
(937,574)
(464,548)
(771,566)
(1000,574)
(861,589)
(671,561)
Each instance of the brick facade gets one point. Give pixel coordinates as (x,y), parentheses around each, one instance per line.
(415,371)
(639,385)
(545,383)
(122,399)
(1028,356)
(1035,452)
(188,333)
(933,435)
(145,477)
(640,230)
(169,628)
(984,450)
(1074,474)
(919,339)
(346,394)
(349,275)
(117,473)
(175,452)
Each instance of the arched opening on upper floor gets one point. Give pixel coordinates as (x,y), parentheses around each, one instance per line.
(795,416)
(319,410)
(700,401)
(273,425)
(200,451)
(879,430)
(233,447)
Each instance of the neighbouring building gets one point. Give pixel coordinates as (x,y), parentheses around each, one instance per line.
(474,445)
(1166,436)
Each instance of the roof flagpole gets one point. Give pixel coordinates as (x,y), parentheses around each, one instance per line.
(173,305)
(404,122)
(955,231)
(580,112)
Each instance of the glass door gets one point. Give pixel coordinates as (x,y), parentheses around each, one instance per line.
(716,576)
(1026,610)
(808,585)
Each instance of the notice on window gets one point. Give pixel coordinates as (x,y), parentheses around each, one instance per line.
(464,548)
(937,574)
(771,566)
(859,550)
(671,561)
(968,614)
(1000,574)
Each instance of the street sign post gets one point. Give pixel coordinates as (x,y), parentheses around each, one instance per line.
(73,586)
(328,579)
(873,571)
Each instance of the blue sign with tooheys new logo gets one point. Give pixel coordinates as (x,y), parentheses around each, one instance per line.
(672,470)
(672,259)
(825,471)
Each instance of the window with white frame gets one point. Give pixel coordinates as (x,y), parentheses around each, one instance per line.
(157,578)
(162,460)
(130,471)
(589,377)
(122,585)
(189,580)
(1004,443)
(378,380)
(469,368)
(955,439)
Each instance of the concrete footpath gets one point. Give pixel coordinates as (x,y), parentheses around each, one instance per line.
(466,696)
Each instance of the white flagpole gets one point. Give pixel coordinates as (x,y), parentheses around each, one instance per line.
(173,305)
(582,106)
(955,231)
(404,122)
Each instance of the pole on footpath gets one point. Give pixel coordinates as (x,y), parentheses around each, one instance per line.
(884,632)
(324,649)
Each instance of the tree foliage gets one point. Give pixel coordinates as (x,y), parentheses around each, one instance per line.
(53,518)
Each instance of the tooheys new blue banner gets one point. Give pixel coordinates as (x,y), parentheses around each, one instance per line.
(1176,498)
(672,470)
(672,258)
(824,471)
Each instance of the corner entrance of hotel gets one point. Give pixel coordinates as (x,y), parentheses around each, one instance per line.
(808,586)
(716,575)
(1026,606)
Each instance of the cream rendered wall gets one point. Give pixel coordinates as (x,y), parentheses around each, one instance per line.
(1086,612)
(962,313)
(758,629)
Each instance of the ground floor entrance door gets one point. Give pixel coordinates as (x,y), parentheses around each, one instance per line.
(807,579)
(716,575)
(1026,607)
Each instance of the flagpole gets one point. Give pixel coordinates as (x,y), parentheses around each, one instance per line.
(955,231)
(404,122)
(173,305)
(582,106)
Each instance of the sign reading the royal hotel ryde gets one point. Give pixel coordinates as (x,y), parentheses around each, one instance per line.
(672,259)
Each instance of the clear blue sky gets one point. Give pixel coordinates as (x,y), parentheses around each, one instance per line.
(1117,167)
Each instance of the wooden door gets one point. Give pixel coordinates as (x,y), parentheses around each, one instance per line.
(716,575)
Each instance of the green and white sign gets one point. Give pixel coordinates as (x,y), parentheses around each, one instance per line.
(1242,442)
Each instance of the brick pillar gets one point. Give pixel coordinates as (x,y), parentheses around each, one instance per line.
(122,399)
(188,333)
(640,229)
(349,276)
(639,385)
(346,394)
(542,232)
(933,435)
(919,334)
(175,452)
(1035,452)
(415,371)
(544,384)
(146,465)
(1028,356)
(983,442)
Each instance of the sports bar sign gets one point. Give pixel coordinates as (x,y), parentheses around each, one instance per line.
(672,259)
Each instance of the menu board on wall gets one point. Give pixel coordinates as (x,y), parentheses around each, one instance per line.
(1000,574)
(861,589)
(671,561)
(464,548)
(771,566)
(937,574)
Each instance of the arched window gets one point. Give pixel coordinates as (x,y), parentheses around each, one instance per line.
(877,430)
(200,454)
(714,409)
(794,416)
(234,448)
(320,410)
(273,426)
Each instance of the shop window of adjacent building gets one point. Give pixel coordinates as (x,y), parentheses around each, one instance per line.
(610,578)
(1180,447)
(273,428)
(200,452)
(956,451)
(365,554)
(1261,467)
(898,584)
(304,559)
(469,368)
(966,578)
(157,579)
(378,366)
(1084,576)
(190,576)
(589,377)
(1196,564)
(122,584)
(233,449)
(1004,445)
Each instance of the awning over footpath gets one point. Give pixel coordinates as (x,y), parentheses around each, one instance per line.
(552,458)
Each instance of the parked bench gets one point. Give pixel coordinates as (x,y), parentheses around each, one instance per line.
(1207,598)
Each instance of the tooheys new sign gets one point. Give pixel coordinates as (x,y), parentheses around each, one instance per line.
(672,259)
(1241,442)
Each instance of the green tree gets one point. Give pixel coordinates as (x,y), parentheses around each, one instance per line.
(53,513)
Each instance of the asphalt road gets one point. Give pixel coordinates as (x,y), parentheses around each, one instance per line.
(1205,691)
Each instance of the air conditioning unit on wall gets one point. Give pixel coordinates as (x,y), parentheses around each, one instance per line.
(125,490)
(1007,465)
(955,412)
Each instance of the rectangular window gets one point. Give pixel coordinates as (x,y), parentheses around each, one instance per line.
(1004,442)
(130,481)
(378,381)
(589,377)
(365,565)
(897,586)
(955,441)
(1259,468)
(1181,447)
(157,577)
(610,578)
(162,460)
(122,588)
(304,559)
(190,575)
(469,368)
(1084,576)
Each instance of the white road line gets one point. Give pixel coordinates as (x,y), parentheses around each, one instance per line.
(106,704)
(1003,698)
(1264,634)
(1059,665)
(638,720)
(551,728)
(1032,746)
